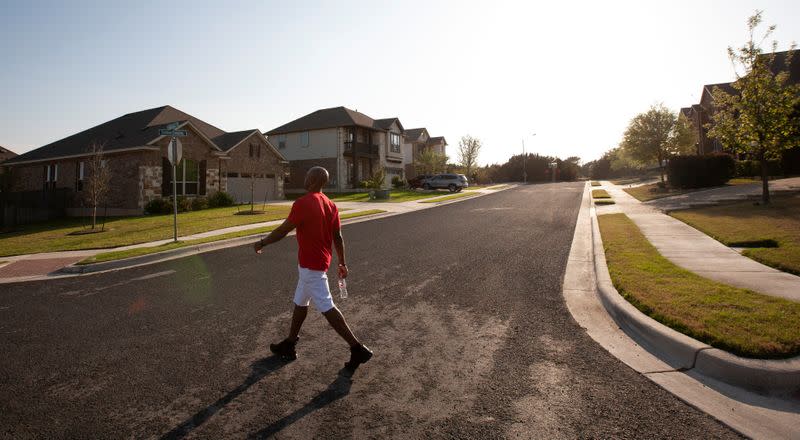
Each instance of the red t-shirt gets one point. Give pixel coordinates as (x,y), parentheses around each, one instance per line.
(315,217)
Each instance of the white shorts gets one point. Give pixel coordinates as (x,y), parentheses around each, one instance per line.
(312,285)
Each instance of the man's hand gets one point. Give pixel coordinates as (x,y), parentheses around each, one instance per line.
(343,271)
(259,247)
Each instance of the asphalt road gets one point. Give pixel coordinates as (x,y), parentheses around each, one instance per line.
(461,303)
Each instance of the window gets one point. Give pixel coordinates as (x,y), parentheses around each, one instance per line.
(188,177)
(50,176)
(281,141)
(394,142)
(303,139)
(255,150)
(81,172)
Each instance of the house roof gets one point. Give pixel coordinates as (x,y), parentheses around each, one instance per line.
(227,141)
(386,123)
(325,118)
(132,130)
(6,151)
(436,140)
(413,134)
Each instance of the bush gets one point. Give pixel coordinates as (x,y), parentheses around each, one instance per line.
(219,199)
(159,206)
(199,203)
(398,182)
(184,204)
(700,171)
(752,168)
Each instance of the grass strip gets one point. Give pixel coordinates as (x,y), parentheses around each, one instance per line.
(600,194)
(771,232)
(136,252)
(652,191)
(395,196)
(737,320)
(596,183)
(446,198)
(604,202)
(64,234)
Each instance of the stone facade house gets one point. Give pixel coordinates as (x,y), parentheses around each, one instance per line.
(136,154)
(416,141)
(349,144)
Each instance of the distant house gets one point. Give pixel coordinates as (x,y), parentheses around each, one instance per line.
(417,140)
(701,114)
(6,154)
(136,154)
(349,144)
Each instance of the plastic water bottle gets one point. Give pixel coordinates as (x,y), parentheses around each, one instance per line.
(342,288)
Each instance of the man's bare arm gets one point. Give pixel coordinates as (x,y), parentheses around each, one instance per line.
(275,236)
(338,244)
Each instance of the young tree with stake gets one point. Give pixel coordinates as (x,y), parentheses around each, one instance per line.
(97,182)
(760,119)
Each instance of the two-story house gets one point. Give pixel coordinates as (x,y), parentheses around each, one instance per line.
(416,141)
(349,144)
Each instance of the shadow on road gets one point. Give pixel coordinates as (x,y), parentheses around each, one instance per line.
(259,369)
(335,391)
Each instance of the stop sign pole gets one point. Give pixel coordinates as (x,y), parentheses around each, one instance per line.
(174,153)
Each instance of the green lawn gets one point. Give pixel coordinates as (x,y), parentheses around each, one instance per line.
(397,195)
(596,183)
(122,231)
(446,198)
(118,255)
(649,192)
(740,321)
(492,186)
(600,194)
(772,232)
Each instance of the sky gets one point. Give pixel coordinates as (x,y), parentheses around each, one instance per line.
(573,73)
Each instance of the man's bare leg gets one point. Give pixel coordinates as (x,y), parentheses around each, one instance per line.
(298,316)
(336,320)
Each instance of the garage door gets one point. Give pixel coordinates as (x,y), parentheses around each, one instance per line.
(239,188)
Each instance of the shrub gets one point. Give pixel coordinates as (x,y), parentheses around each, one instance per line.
(219,199)
(752,168)
(398,182)
(184,204)
(159,206)
(199,203)
(700,171)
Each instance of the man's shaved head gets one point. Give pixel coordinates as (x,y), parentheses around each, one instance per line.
(316,178)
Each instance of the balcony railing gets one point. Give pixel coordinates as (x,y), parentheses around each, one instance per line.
(361,149)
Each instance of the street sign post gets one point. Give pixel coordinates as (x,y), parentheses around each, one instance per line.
(174,155)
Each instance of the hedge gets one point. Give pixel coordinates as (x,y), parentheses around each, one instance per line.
(700,171)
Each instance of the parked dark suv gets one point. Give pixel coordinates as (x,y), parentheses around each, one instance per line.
(453,182)
(418,181)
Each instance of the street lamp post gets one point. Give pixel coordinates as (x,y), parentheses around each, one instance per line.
(525,162)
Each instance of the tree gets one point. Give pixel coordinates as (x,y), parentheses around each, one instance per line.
(650,136)
(430,162)
(468,150)
(759,118)
(684,137)
(97,181)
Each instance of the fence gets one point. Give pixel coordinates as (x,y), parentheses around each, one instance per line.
(19,208)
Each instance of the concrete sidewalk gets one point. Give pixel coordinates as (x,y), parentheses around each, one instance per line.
(22,267)
(714,196)
(695,251)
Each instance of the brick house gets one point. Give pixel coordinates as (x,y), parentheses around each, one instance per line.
(416,141)
(349,144)
(701,114)
(136,154)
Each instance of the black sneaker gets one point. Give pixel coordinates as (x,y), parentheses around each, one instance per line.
(359,354)
(285,349)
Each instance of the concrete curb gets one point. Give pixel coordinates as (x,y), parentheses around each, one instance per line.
(685,353)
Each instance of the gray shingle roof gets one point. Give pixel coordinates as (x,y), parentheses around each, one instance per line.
(325,118)
(128,131)
(385,124)
(412,134)
(228,140)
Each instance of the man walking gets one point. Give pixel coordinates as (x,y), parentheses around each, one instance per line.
(318,227)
